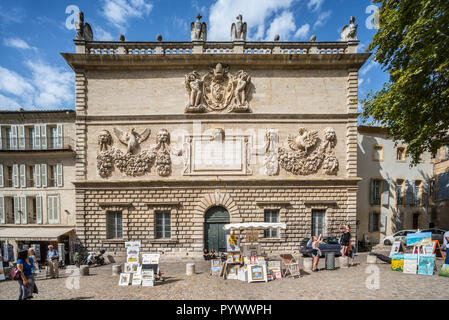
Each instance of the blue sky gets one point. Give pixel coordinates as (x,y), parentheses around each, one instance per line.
(33,75)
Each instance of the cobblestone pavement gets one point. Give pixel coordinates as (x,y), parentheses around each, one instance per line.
(325,284)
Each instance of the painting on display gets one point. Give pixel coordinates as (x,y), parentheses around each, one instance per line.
(148,278)
(149,258)
(444,272)
(252,236)
(233,272)
(132,250)
(129,244)
(419,239)
(124,279)
(396,248)
(257,273)
(410,263)
(426,264)
(232,243)
(274,267)
(215,267)
(132,258)
(397,262)
(137,279)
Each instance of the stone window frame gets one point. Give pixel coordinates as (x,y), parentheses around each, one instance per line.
(281,207)
(173,209)
(330,208)
(381,156)
(404,154)
(112,206)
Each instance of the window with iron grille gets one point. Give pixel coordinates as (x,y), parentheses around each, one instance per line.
(318,222)
(163,225)
(271,216)
(114,222)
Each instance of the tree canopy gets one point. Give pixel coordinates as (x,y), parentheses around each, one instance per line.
(412,45)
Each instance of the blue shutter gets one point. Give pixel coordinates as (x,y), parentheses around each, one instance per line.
(371,193)
(443,187)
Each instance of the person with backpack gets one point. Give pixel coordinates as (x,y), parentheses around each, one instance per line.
(25,267)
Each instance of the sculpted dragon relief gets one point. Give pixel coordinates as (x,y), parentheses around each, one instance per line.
(308,153)
(135,162)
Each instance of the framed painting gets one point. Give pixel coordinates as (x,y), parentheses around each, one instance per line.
(137,279)
(215,263)
(257,273)
(132,258)
(233,272)
(128,268)
(124,279)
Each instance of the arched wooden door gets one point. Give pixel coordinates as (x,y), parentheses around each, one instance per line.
(214,235)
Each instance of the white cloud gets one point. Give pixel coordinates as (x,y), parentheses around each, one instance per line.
(322,19)
(118,12)
(282,25)
(315,5)
(368,67)
(18,44)
(8,104)
(102,35)
(13,83)
(255,12)
(302,32)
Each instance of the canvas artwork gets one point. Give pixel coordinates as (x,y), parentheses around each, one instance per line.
(444,272)
(128,268)
(233,272)
(133,258)
(147,278)
(215,271)
(410,263)
(419,239)
(397,262)
(133,244)
(275,268)
(137,279)
(395,248)
(232,243)
(229,257)
(246,260)
(149,258)
(124,279)
(257,273)
(260,259)
(215,262)
(132,250)
(236,258)
(2,271)
(426,264)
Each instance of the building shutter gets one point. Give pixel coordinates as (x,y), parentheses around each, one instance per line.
(44,175)
(1,140)
(59,134)
(23,177)
(37,137)
(385,193)
(55,210)
(2,210)
(50,209)
(15,175)
(383,222)
(43,136)
(23,208)
(2,183)
(13,138)
(16,210)
(38,209)
(21,137)
(409,192)
(59,174)
(37,175)
(425,193)
(371,218)
(371,192)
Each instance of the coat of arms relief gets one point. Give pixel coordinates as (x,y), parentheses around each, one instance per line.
(135,162)
(218,91)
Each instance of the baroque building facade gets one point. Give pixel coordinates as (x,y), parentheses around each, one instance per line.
(176,139)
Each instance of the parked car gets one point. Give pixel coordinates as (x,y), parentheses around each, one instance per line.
(329,244)
(437,234)
(398,236)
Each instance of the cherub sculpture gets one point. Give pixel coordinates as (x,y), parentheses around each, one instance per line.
(132,139)
(242,80)
(238,29)
(194,87)
(198,30)
(104,140)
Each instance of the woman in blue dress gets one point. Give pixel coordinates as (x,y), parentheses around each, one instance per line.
(25,266)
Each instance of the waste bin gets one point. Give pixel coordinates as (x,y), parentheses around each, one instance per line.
(330,260)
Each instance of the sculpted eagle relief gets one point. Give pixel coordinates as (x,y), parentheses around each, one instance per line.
(307,153)
(135,162)
(218,90)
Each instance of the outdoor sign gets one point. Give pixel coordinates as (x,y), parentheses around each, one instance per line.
(419,239)
(397,262)
(410,263)
(396,247)
(426,264)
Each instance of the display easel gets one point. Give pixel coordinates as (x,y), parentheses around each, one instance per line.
(421,249)
(436,249)
(396,248)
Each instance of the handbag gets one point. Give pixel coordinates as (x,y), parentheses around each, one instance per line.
(14,274)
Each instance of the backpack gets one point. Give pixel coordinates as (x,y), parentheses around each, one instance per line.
(14,274)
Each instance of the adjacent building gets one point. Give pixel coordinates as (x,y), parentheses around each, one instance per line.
(392,194)
(440,187)
(37,167)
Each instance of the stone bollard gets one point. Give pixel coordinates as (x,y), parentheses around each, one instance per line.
(307,264)
(344,262)
(371,259)
(190,269)
(116,269)
(84,270)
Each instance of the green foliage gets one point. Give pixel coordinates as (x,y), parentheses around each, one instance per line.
(412,45)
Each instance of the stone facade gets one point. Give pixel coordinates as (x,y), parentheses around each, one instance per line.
(184,127)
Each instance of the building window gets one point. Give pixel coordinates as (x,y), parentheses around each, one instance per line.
(400,154)
(432,189)
(415,220)
(8,138)
(374,222)
(399,192)
(378,153)
(417,192)
(9,210)
(30,138)
(30,181)
(163,225)
(114,224)
(271,216)
(375,191)
(52,174)
(318,222)
(53,209)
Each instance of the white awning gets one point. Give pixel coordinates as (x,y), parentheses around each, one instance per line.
(254,225)
(33,234)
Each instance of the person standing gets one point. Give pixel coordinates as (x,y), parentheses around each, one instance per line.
(26,281)
(32,255)
(316,252)
(53,261)
(446,246)
(345,239)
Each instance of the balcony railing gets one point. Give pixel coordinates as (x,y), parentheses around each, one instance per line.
(183,48)
(30,144)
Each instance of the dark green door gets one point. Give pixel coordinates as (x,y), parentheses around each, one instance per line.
(214,235)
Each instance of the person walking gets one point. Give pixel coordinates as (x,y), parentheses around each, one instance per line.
(316,252)
(53,262)
(446,246)
(351,253)
(25,267)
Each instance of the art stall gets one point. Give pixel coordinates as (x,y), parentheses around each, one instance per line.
(140,269)
(419,256)
(247,262)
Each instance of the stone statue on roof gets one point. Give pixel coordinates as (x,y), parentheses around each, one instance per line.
(349,32)
(238,29)
(83,30)
(198,30)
